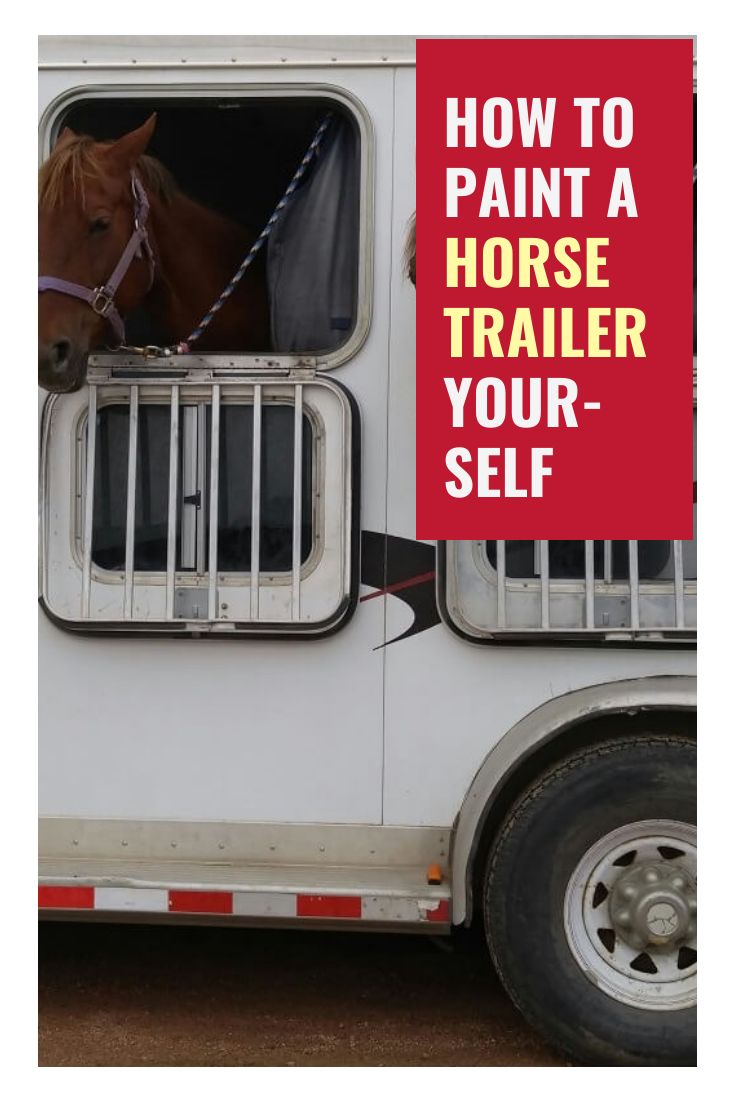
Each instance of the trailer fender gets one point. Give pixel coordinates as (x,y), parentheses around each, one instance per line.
(539,727)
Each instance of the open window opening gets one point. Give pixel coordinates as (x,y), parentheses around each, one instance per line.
(236,155)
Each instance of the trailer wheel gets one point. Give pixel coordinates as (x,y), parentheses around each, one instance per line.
(590,903)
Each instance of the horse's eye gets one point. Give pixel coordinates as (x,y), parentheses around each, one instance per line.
(99,225)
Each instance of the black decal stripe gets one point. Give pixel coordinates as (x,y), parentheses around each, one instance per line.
(405,569)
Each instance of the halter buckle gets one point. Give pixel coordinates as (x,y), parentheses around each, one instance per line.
(103,301)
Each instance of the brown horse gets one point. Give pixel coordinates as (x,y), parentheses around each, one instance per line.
(88,216)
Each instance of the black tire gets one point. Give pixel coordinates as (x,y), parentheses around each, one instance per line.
(545,835)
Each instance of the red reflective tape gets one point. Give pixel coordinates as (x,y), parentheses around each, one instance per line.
(440,913)
(211,903)
(329,906)
(67,898)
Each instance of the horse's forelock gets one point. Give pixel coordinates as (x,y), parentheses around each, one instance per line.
(71,162)
(80,158)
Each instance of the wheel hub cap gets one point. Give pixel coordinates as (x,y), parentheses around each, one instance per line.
(654,905)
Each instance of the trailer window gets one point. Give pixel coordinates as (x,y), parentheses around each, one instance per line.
(581,590)
(611,559)
(208,504)
(235,155)
(235,490)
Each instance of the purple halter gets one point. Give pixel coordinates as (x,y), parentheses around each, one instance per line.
(102,299)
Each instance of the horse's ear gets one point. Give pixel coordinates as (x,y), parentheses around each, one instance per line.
(126,150)
(65,136)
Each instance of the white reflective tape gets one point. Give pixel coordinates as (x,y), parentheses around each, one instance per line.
(384,908)
(130,899)
(264,904)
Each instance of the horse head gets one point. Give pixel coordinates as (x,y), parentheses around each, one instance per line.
(90,203)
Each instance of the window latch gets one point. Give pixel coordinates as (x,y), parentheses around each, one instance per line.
(194,499)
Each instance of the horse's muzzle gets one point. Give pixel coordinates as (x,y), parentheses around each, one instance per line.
(62,367)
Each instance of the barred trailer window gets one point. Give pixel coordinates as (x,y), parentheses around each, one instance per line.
(234,511)
(610,559)
(200,501)
(576,590)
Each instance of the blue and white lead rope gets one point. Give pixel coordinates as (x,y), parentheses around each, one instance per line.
(184,346)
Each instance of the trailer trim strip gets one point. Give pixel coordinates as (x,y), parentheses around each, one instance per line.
(265,905)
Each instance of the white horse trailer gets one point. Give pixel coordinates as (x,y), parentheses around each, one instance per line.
(264,702)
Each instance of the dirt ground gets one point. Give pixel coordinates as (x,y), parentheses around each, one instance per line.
(136,996)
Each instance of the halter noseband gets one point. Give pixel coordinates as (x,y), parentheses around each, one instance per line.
(102,299)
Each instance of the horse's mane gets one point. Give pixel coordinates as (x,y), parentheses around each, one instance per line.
(80,158)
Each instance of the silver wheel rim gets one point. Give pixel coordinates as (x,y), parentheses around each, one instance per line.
(630,914)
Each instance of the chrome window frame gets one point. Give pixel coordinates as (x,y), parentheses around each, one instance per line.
(51,121)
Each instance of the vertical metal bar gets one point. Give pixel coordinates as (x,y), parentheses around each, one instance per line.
(189,417)
(544,571)
(500,561)
(89,500)
(145,484)
(201,538)
(679,582)
(298,424)
(105,505)
(589,583)
(130,512)
(213,502)
(607,560)
(173,492)
(255,503)
(634,584)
